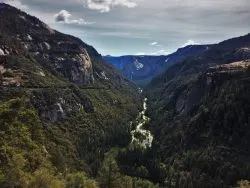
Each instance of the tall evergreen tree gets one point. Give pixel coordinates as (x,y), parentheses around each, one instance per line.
(110,176)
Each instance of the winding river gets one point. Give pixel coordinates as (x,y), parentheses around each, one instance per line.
(140,136)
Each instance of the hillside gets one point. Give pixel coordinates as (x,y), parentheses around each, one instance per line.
(61,106)
(141,69)
(199,112)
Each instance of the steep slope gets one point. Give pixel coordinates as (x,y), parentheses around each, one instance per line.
(141,69)
(199,112)
(63,55)
(61,106)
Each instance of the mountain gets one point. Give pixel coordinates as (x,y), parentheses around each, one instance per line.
(63,55)
(199,110)
(62,107)
(69,119)
(141,69)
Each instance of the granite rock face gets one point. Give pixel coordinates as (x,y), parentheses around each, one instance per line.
(62,54)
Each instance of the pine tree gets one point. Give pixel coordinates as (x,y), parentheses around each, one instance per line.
(109,173)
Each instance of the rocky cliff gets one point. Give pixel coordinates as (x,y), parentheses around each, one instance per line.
(62,55)
(65,55)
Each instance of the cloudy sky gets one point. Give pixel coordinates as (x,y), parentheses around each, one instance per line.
(152,27)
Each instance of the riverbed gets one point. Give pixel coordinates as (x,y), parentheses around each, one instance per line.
(140,136)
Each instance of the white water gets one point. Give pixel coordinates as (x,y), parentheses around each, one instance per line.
(145,138)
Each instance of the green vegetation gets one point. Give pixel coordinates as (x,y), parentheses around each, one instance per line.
(22,144)
(208,144)
(33,155)
(79,180)
(199,116)
(57,131)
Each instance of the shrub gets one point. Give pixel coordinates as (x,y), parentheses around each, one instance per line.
(79,180)
(45,179)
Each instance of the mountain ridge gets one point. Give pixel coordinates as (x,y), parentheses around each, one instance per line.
(149,65)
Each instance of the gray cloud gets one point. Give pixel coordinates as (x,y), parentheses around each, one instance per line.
(171,23)
(107,5)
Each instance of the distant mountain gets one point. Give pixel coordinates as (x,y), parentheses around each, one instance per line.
(199,110)
(141,69)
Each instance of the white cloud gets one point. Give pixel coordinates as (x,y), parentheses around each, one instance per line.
(153,43)
(124,3)
(107,5)
(140,53)
(190,42)
(161,52)
(65,17)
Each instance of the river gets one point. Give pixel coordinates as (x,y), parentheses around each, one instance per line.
(140,136)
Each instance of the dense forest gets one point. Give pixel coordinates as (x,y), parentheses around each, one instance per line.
(199,111)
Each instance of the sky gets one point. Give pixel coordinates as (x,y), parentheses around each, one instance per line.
(142,27)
